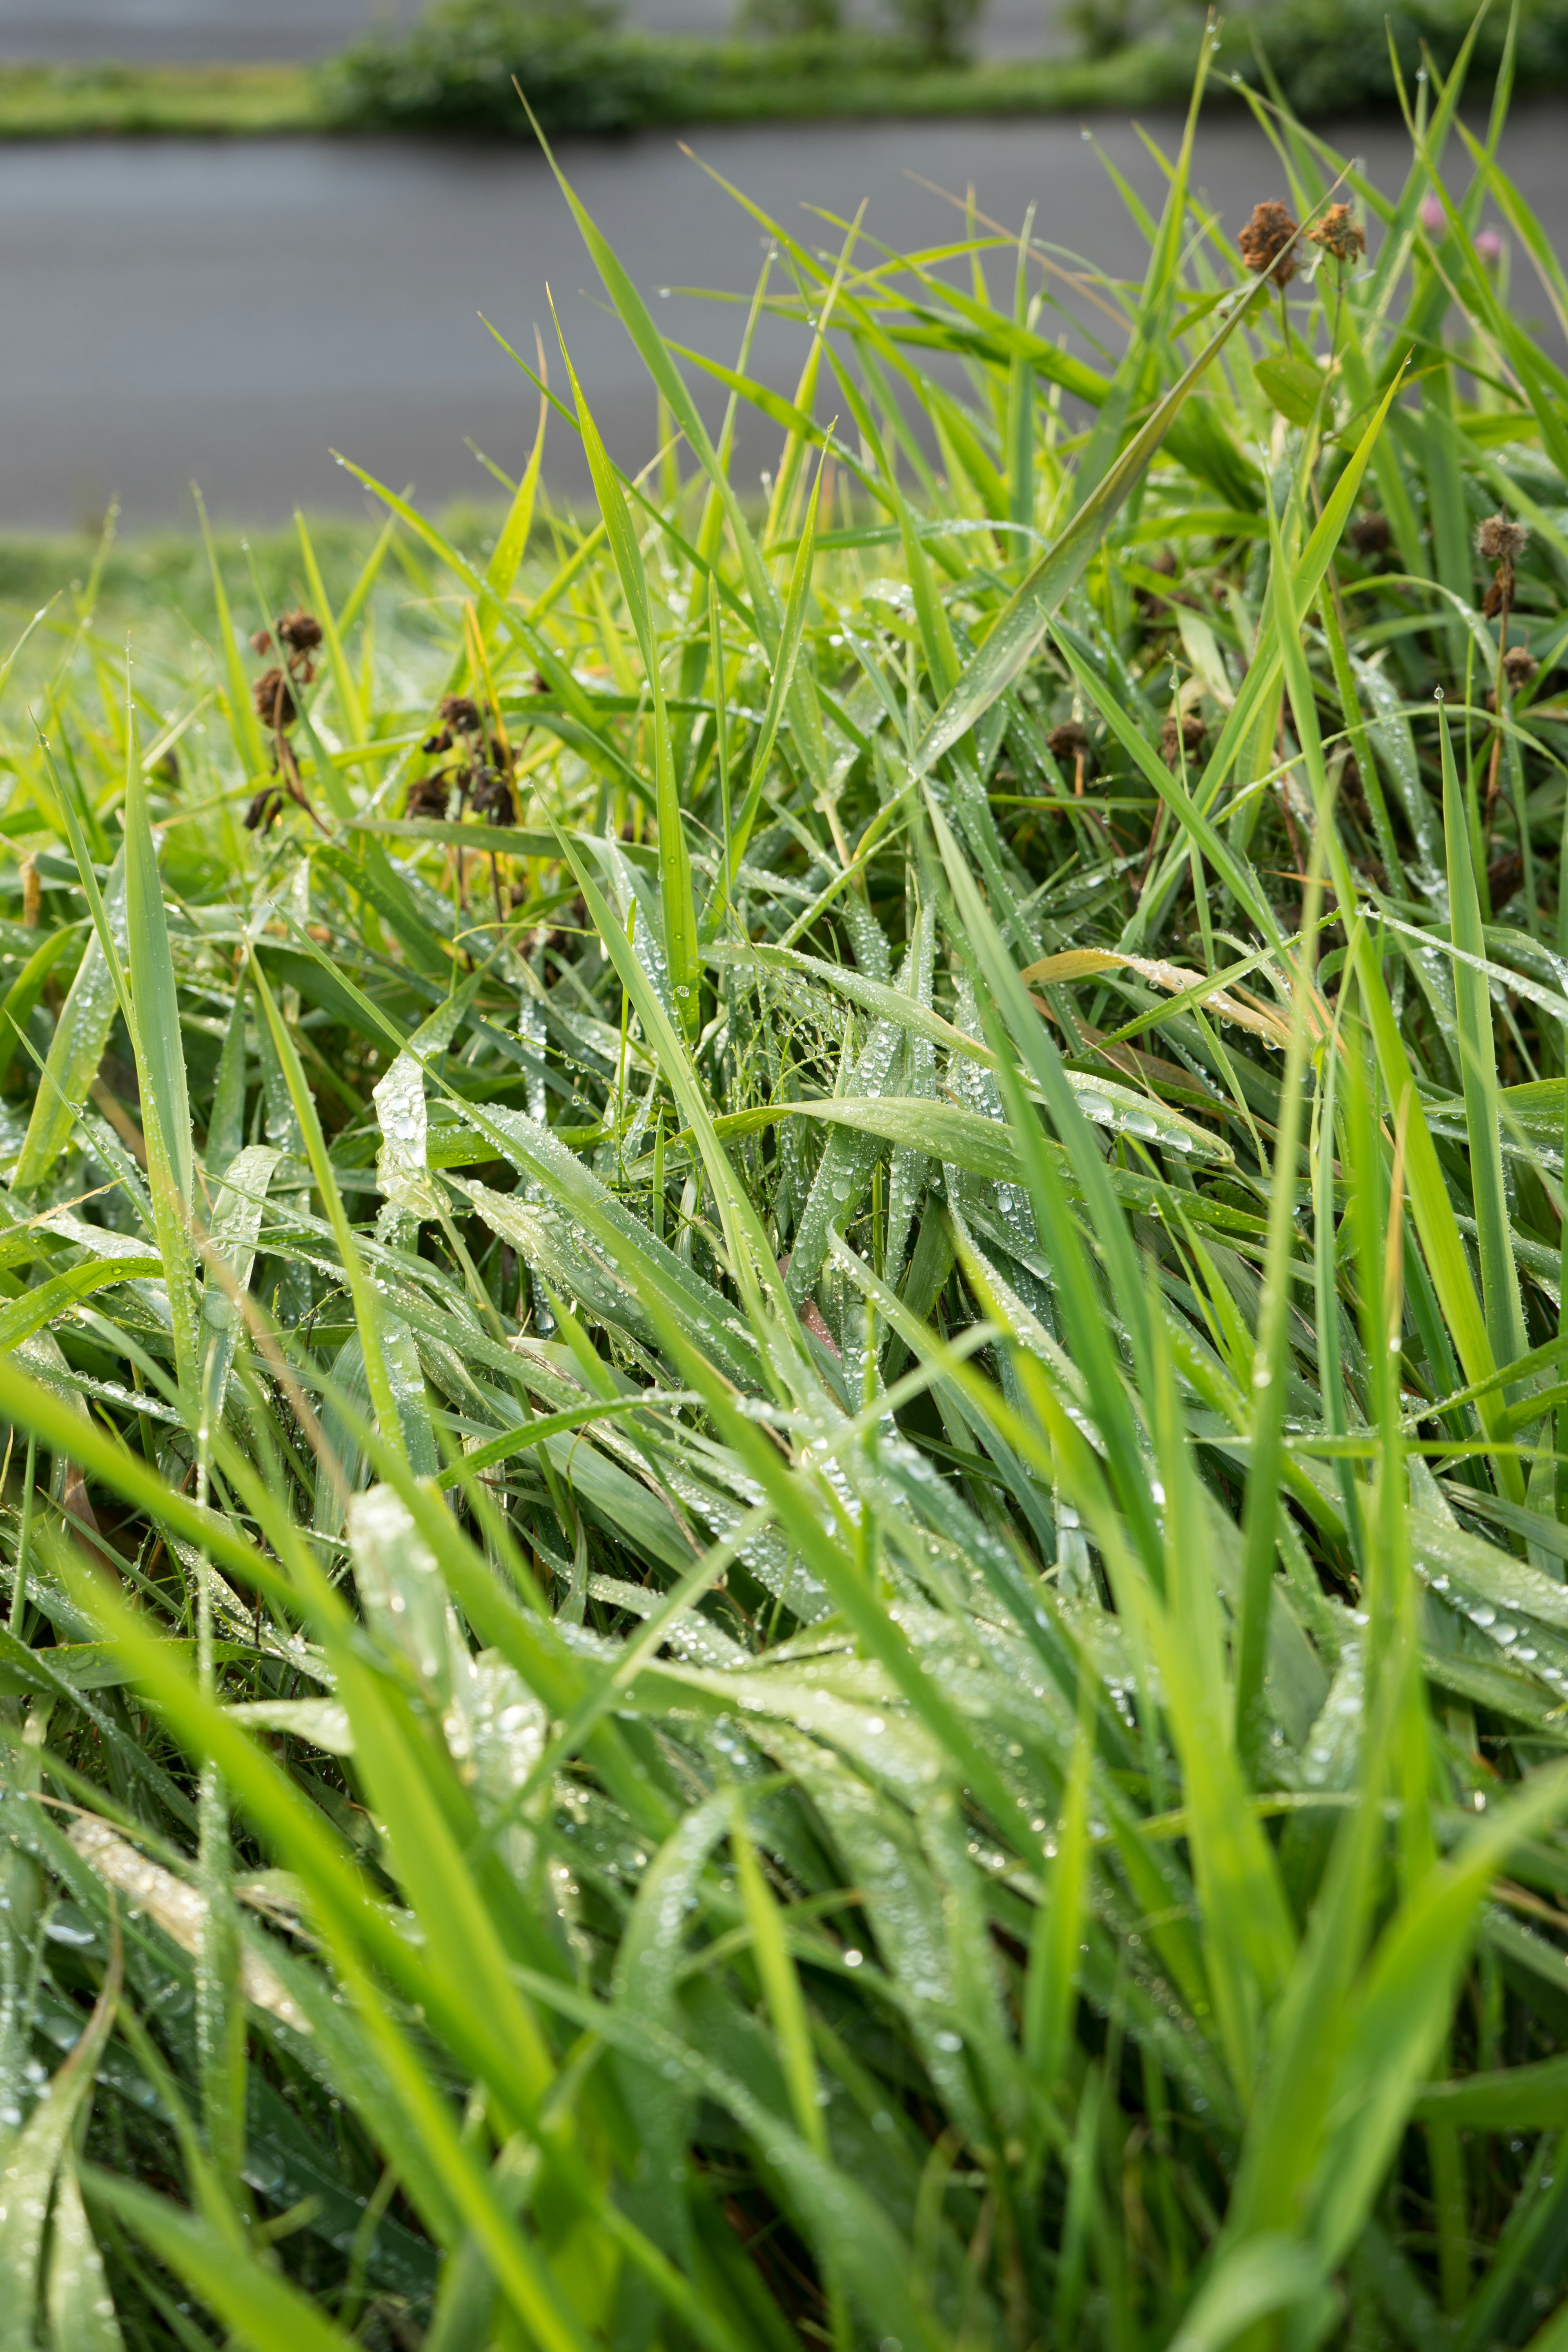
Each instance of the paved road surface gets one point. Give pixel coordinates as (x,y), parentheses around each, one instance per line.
(236,312)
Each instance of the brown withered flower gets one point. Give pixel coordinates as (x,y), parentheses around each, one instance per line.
(1502,542)
(1179,736)
(1498,540)
(1338,233)
(300,631)
(1269,243)
(427,800)
(1519,667)
(1068,744)
(275,703)
(263,808)
(1370,534)
(461,715)
(261,643)
(493,799)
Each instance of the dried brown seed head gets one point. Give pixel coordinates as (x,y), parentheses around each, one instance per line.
(1519,667)
(1498,540)
(493,800)
(1181,735)
(1369,534)
(1067,741)
(461,715)
(301,632)
(1267,243)
(261,643)
(428,799)
(274,701)
(1338,233)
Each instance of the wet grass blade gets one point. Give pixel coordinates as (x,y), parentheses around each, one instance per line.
(1019,628)
(1478,1057)
(674,861)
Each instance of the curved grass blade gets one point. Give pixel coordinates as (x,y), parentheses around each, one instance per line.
(1017,630)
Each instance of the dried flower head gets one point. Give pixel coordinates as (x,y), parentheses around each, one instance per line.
(1501,542)
(1369,534)
(263,808)
(461,715)
(428,799)
(1498,540)
(1519,667)
(1267,243)
(301,632)
(493,799)
(261,643)
(274,701)
(1069,741)
(1338,233)
(1179,736)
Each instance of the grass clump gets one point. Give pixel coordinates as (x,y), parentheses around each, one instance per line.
(456,70)
(78,102)
(783,1535)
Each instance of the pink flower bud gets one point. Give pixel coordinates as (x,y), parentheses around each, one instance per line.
(1432,215)
(1488,246)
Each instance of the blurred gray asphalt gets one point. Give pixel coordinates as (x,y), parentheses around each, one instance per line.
(233,312)
(148,30)
(262,29)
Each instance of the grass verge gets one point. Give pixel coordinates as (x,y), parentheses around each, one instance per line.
(784,1533)
(70,101)
(455,73)
(676,82)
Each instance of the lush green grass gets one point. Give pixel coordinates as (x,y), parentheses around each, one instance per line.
(620,82)
(70,102)
(160,585)
(784,1547)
